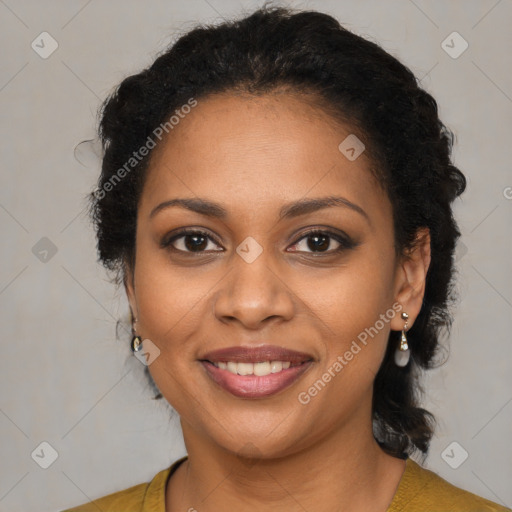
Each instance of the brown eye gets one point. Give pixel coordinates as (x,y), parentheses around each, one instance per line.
(321,242)
(192,241)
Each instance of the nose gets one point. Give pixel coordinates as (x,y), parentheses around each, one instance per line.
(254,295)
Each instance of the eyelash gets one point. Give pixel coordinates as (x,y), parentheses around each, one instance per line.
(344,241)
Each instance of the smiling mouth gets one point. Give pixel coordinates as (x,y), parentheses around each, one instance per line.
(248,384)
(255,371)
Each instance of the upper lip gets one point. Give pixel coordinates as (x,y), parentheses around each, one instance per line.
(245,354)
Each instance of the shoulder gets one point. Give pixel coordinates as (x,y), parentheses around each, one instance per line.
(421,489)
(145,496)
(128,500)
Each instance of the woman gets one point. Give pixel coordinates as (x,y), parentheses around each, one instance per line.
(276,199)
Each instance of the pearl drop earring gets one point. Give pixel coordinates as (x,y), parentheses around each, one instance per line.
(402,353)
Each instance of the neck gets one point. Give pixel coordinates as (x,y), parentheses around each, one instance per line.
(347,470)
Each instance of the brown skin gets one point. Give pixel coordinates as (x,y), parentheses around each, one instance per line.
(252,155)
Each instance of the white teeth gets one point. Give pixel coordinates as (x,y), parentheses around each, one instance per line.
(276,366)
(245,369)
(259,369)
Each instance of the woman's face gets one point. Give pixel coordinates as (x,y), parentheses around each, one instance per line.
(255,277)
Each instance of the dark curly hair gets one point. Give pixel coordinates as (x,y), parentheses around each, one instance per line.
(355,81)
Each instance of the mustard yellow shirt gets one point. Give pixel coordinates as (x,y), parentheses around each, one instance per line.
(419,490)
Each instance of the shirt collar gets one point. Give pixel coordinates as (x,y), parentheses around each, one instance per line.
(154,497)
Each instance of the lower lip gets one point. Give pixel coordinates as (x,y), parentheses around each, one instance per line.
(254,386)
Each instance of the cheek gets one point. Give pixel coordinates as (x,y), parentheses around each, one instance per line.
(356,304)
(354,296)
(161,294)
(169,301)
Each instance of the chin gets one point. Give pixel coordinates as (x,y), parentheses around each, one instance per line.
(262,440)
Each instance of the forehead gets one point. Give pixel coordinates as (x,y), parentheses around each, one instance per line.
(249,152)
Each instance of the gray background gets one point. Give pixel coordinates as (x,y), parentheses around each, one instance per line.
(64,377)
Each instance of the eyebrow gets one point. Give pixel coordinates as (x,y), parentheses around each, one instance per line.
(295,209)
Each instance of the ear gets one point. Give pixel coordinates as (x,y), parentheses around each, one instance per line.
(129,286)
(410,279)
